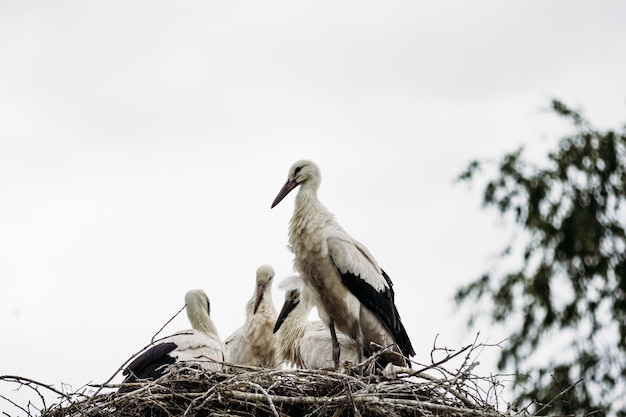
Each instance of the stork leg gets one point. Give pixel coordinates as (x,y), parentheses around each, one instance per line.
(336,346)
(359,341)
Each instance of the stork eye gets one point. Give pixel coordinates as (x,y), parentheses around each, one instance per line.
(297,170)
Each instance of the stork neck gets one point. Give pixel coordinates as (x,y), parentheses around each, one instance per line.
(202,322)
(308,205)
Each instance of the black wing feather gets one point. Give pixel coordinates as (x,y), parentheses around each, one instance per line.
(381,303)
(151,363)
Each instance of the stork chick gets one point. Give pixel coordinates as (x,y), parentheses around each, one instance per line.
(200,345)
(253,344)
(301,342)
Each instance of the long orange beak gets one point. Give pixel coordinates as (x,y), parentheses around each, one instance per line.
(289,185)
(259,296)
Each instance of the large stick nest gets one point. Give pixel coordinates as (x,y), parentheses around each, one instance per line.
(191,391)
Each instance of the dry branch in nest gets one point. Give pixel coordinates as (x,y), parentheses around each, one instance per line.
(188,390)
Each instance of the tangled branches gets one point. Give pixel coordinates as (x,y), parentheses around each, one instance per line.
(190,391)
(425,390)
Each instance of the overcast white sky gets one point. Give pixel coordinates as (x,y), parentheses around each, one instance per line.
(141,144)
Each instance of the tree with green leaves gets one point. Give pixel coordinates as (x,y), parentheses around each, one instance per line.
(564,303)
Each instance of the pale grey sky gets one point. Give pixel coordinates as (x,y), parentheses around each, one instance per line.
(141,144)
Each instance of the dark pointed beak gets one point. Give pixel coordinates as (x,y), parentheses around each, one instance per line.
(259,296)
(288,306)
(289,185)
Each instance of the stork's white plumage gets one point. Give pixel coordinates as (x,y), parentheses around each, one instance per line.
(301,342)
(200,345)
(253,344)
(350,290)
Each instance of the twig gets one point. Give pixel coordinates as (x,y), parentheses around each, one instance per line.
(451,390)
(444,360)
(27,381)
(461,373)
(166,323)
(267,396)
(560,394)
(435,348)
(14,404)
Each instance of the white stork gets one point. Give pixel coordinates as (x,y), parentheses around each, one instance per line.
(301,342)
(253,344)
(200,345)
(352,293)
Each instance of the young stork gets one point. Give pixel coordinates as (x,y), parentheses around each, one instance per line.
(352,293)
(253,344)
(301,342)
(200,345)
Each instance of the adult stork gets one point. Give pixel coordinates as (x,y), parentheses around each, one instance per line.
(301,342)
(352,293)
(200,345)
(253,344)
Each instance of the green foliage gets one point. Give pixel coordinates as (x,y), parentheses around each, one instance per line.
(572,281)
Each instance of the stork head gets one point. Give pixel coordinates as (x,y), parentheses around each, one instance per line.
(264,276)
(197,300)
(292,299)
(198,307)
(300,173)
